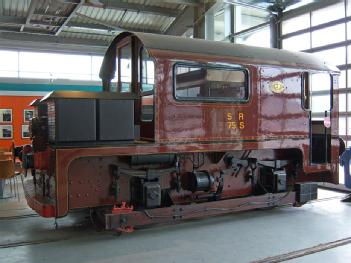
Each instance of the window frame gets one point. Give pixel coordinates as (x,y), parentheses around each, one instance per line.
(212,66)
(119,82)
(140,73)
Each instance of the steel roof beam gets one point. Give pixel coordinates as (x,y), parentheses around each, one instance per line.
(119,5)
(115,27)
(184,2)
(78,5)
(12,20)
(31,9)
(29,41)
(181,24)
(95,24)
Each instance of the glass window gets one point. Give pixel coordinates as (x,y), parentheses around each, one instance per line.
(147,108)
(349,102)
(320,103)
(348,125)
(125,69)
(342,126)
(320,82)
(348,79)
(246,17)
(348,5)
(348,26)
(328,35)
(297,43)
(205,83)
(219,26)
(342,102)
(8,63)
(296,23)
(52,65)
(147,72)
(342,79)
(335,56)
(258,38)
(96,62)
(328,13)
(348,55)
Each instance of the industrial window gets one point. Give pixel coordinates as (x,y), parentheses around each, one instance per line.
(125,68)
(206,83)
(8,64)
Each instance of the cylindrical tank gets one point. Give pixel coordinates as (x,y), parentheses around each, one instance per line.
(197,181)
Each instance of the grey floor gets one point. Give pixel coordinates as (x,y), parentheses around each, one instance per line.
(241,237)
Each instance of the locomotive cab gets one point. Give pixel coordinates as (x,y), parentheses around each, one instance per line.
(129,69)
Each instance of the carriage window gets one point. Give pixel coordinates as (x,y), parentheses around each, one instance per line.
(205,83)
(125,68)
(147,72)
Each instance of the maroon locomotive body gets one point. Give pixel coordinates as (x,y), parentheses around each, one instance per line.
(186,128)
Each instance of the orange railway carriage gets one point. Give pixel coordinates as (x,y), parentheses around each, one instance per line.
(191,128)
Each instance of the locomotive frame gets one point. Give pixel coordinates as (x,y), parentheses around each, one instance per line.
(194,150)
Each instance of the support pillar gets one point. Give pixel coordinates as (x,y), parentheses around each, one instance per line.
(276,32)
(199,18)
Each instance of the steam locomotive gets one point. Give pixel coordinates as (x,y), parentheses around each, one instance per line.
(185,128)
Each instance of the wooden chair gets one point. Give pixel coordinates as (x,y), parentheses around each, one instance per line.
(7,168)
(7,171)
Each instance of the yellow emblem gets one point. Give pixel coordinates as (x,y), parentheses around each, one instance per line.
(277,86)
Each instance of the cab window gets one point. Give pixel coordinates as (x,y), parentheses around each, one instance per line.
(147,72)
(125,68)
(317,92)
(208,83)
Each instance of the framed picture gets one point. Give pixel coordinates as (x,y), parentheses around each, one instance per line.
(28,115)
(5,115)
(25,131)
(6,132)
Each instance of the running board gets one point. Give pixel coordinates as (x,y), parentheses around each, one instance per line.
(128,219)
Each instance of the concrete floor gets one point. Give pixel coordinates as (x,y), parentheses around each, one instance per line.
(241,237)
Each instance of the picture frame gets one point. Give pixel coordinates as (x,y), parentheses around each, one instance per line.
(28,114)
(25,131)
(6,131)
(5,115)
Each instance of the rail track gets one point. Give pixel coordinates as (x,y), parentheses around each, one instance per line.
(279,257)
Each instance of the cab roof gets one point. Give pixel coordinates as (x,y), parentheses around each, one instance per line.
(250,54)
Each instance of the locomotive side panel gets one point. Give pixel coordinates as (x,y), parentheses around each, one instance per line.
(281,112)
(200,120)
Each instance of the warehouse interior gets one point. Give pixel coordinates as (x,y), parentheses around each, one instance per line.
(59,45)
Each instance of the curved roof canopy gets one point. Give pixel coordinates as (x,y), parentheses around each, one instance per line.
(257,55)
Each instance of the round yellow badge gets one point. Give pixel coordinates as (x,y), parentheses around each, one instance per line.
(277,86)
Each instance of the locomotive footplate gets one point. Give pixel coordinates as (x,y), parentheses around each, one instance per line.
(182,212)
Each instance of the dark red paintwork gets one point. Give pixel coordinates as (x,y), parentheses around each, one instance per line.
(274,125)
